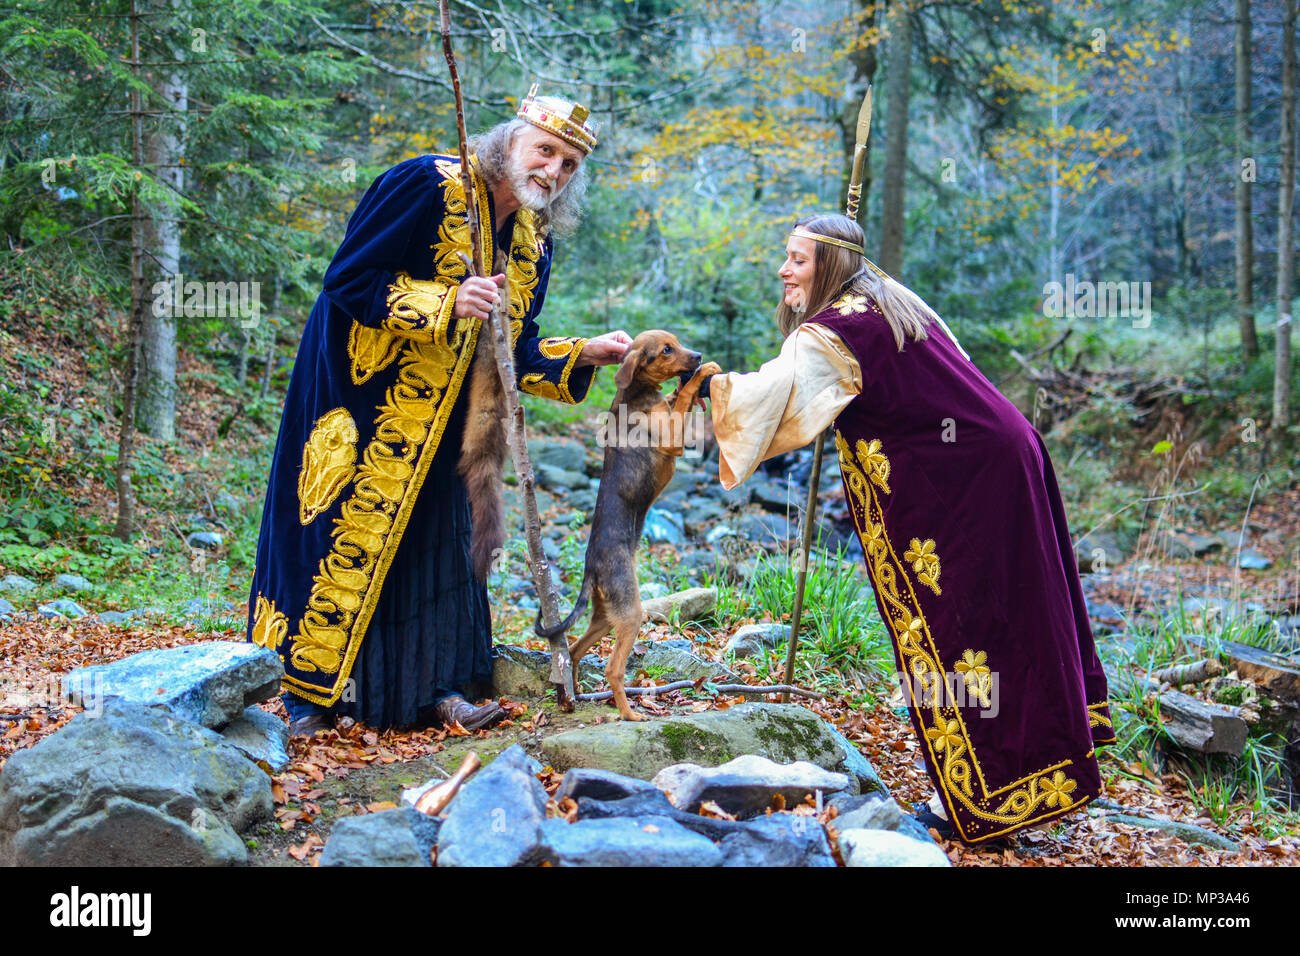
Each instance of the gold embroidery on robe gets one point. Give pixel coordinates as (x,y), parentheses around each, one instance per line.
(978,677)
(416,305)
(453,246)
(556,347)
(408,430)
(329,461)
(1044,792)
(536,383)
(925,563)
(269,625)
(345,587)
(850,303)
(371,351)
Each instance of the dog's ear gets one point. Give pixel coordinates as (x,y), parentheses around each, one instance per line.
(627,371)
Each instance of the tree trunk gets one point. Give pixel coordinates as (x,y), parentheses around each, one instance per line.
(900,57)
(135,318)
(1285,250)
(164,153)
(1245,232)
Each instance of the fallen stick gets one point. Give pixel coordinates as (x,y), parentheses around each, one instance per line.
(434,801)
(1192,673)
(720,688)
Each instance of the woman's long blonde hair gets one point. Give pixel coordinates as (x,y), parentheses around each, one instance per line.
(838,271)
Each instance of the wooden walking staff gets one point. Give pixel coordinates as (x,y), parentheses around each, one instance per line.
(498,327)
(810,511)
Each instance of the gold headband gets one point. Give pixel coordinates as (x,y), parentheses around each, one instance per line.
(807,234)
(572,128)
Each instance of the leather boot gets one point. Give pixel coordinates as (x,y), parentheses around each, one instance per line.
(308,726)
(458,710)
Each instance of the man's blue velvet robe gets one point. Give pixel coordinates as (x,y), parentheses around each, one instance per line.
(378,373)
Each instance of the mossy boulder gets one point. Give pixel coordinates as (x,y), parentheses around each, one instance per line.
(783,733)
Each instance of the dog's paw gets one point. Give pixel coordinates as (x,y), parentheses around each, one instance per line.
(633,716)
(708,368)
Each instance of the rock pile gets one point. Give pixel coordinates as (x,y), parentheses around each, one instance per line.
(167,766)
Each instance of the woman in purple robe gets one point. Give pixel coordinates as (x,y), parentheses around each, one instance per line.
(960,519)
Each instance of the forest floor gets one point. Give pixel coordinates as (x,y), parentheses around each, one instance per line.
(358,770)
(221,446)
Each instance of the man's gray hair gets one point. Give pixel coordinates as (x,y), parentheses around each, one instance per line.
(493,149)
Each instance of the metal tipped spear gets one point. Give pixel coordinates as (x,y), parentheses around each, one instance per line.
(810,511)
(498,328)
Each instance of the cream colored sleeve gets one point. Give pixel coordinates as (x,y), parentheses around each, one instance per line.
(786,404)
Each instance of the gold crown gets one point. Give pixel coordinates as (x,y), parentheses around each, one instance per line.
(556,115)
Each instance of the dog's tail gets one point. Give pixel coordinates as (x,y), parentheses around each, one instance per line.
(482,456)
(579,606)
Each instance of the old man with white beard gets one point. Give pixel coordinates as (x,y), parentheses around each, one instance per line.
(371,567)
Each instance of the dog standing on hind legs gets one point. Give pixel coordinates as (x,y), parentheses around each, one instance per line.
(638,466)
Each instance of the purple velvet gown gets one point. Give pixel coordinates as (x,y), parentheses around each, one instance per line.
(966,542)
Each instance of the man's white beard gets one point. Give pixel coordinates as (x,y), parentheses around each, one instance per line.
(530,195)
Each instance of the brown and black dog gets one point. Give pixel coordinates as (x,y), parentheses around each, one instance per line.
(638,465)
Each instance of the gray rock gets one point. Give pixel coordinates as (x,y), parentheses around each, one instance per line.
(74,582)
(209,683)
(135,786)
(769,531)
(1099,551)
(622,841)
(1187,832)
(697,561)
(116,618)
(872,811)
(205,607)
(650,802)
(682,482)
(752,639)
(151,610)
(550,549)
(16,584)
(674,501)
(701,512)
(583,499)
(778,496)
(566,455)
(519,671)
(1253,561)
(63,607)
(855,764)
(801,841)
(747,785)
(225,501)
(693,604)
(744,646)
(204,540)
(496,818)
(6,608)
(401,837)
(737,497)
(886,848)
(600,785)
(260,737)
(559,479)
(781,732)
(672,663)
(664,527)
(783,839)
(652,589)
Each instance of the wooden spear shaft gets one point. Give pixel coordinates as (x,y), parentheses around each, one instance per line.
(810,510)
(498,327)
